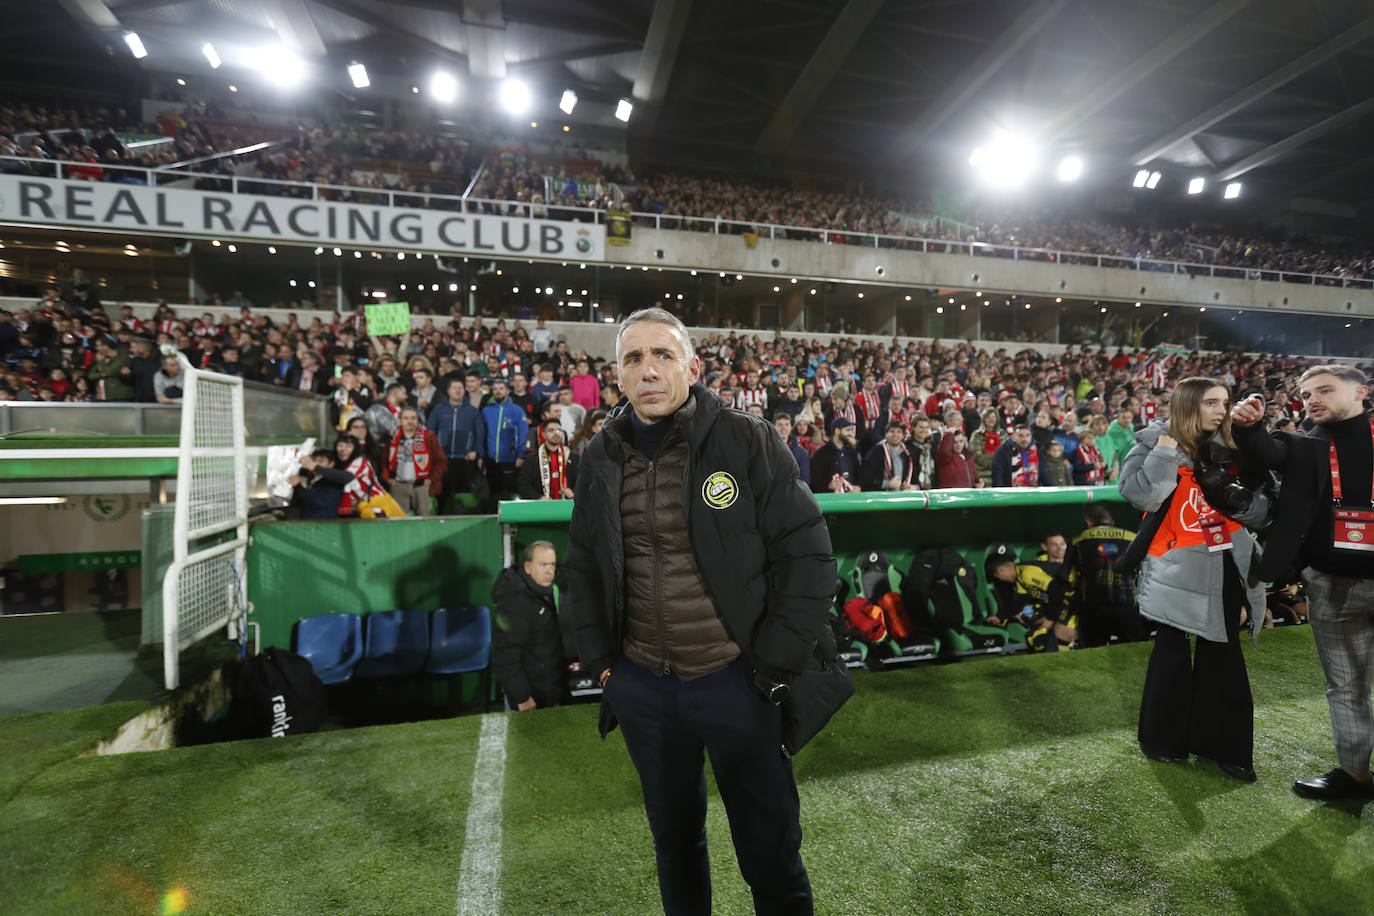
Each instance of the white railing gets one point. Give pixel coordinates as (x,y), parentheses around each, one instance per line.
(274,187)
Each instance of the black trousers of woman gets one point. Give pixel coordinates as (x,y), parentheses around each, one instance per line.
(1198,702)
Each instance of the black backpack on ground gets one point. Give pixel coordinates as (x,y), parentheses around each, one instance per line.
(276,694)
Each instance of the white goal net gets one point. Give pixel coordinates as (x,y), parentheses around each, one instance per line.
(206,586)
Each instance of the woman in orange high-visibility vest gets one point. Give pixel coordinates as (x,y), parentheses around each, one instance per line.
(1197,572)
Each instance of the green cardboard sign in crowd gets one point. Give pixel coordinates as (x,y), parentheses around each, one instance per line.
(387,318)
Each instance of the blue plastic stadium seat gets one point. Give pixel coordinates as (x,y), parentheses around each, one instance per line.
(460,639)
(332,643)
(396,645)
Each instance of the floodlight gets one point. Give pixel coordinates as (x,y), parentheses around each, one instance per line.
(1232,190)
(1195,185)
(1070,168)
(443,87)
(1141,177)
(1006,162)
(278,66)
(211,55)
(358,74)
(568,102)
(515,96)
(135,45)
(181,81)
(1153,181)
(623,109)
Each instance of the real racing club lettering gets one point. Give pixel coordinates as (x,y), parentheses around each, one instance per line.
(186,212)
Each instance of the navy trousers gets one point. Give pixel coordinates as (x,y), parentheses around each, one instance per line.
(668,726)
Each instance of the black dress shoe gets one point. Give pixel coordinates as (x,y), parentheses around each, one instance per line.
(1335,784)
(1163,758)
(1238,771)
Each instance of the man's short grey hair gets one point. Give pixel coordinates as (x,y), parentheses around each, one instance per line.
(657,316)
(537,545)
(1344,373)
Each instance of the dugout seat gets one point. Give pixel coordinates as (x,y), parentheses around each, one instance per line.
(459,640)
(332,643)
(943,584)
(397,644)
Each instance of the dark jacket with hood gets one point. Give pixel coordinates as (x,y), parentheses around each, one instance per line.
(526,647)
(760,544)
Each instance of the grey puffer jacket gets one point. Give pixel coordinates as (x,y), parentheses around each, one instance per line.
(1183,588)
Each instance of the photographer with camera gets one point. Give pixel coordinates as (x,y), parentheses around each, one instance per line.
(1198,567)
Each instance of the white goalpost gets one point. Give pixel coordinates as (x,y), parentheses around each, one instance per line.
(206,587)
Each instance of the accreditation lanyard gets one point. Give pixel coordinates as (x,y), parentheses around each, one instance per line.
(1352,529)
(1212,524)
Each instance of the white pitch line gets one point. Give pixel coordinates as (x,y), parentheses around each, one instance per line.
(479,875)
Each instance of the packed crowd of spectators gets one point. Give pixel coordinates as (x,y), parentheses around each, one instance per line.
(420,168)
(87,138)
(861,416)
(739,205)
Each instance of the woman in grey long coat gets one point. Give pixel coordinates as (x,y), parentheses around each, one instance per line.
(1197,563)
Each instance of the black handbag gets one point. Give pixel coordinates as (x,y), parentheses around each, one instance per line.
(814,696)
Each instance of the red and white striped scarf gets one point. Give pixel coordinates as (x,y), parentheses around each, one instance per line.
(418,449)
(746,396)
(1091,455)
(553,470)
(887,465)
(869,403)
(846,411)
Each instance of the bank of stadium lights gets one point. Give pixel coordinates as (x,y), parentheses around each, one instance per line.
(443,87)
(135,45)
(515,96)
(211,55)
(1197,185)
(181,81)
(1146,179)
(278,66)
(1006,161)
(623,109)
(568,102)
(1232,191)
(1070,169)
(358,74)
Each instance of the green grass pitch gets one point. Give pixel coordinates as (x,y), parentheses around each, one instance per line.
(999,785)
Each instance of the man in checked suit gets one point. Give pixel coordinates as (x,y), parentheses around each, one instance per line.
(1325,523)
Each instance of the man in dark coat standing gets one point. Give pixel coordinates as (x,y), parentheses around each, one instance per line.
(699,574)
(1323,523)
(526,647)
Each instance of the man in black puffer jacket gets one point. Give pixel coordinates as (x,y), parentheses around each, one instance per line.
(526,647)
(699,567)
